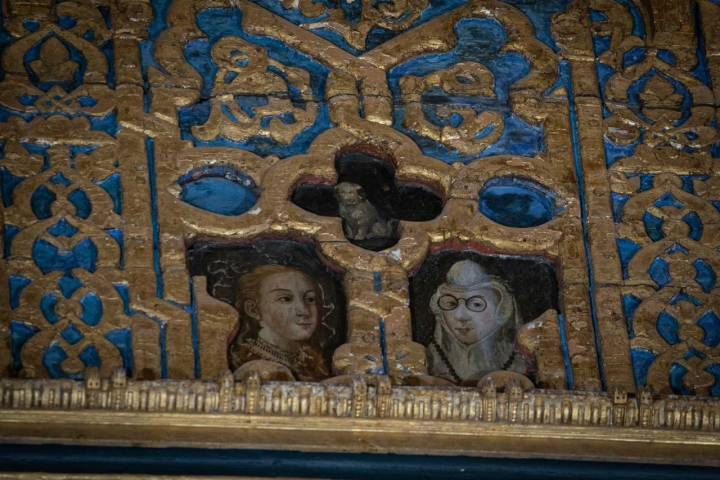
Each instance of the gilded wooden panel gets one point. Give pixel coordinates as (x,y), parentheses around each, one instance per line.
(478,212)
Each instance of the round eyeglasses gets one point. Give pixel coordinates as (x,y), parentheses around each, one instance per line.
(449,302)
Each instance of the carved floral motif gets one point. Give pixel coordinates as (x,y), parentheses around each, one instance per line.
(354,22)
(244,73)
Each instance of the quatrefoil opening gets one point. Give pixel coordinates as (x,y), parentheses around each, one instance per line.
(369,199)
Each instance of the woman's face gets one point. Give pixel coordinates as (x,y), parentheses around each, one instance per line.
(470,314)
(288,305)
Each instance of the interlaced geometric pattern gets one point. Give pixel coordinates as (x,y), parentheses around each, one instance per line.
(584,134)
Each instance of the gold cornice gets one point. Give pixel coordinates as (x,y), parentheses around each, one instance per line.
(358,435)
(363,414)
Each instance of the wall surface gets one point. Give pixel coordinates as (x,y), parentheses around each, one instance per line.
(484,211)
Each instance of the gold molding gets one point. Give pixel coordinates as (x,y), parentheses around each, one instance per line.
(356,435)
(362,414)
(356,412)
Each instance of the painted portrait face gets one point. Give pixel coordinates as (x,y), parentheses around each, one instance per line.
(470,314)
(287,305)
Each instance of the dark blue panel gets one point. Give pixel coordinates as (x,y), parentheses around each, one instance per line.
(677,248)
(90,357)
(49,258)
(638,23)
(52,359)
(634,56)
(516,202)
(92,309)
(60,179)
(71,334)
(618,203)
(150,150)
(17,284)
(218,195)
(220,189)
(614,152)
(677,372)
(668,200)
(81,202)
(667,56)
(68,285)
(122,339)
(630,304)
(705,276)
(107,124)
(19,334)
(195,328)
(601,44)
(47,307)
(109,52)
(124,293)
(710,323)
(377,282)
(55,355)
(158,24)
(41,202)
(383,351)
(668,328)
(597,16)
(659,272)
(8,182)
(685,297)
(714,370)
(641,360)
(646,183)
(117,235)
(701,70)
(9,232)
(696,226)
(62,229)
(30,26)
(653,226)
(76,150)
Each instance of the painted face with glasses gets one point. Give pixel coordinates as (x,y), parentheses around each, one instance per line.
(471,315)
(476,322)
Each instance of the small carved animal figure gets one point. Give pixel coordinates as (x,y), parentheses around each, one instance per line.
(362,220)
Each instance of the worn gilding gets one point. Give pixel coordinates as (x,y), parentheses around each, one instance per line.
(598,115)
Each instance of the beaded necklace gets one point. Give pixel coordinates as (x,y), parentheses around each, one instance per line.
(270,352)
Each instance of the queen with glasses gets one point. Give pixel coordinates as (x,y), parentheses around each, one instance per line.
(476,320)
